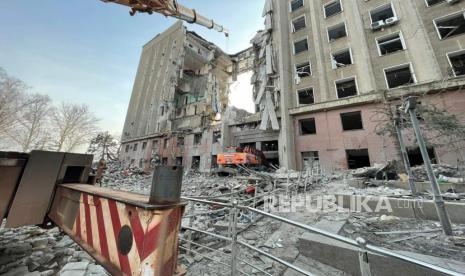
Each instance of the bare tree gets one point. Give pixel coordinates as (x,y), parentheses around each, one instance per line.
(11,93)
(74,125)
(31,130)
(105,145)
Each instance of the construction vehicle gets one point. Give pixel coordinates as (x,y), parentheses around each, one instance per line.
(126,233)
(237,156)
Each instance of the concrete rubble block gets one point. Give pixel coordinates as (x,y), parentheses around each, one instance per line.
(313,267)
(344,257)
(74,269)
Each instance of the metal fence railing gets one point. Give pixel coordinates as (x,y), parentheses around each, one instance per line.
(233,258)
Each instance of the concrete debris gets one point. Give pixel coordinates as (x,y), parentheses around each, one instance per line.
(445,170)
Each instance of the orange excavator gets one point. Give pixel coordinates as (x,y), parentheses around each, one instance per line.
(248,156)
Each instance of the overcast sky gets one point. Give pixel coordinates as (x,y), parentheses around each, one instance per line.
(87,51)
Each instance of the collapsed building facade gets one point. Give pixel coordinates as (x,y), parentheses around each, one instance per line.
(324,73)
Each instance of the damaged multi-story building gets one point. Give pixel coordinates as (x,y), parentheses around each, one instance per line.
(323,72)
(179,95)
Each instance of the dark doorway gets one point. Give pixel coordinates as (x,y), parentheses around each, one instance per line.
(195,162)
(358,158)
(415,158)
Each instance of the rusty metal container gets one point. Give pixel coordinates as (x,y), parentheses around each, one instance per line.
(166,185)
(11,168)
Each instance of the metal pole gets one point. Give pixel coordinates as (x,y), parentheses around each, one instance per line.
(191,222)
(408,169)
(410,107)
(234,247)
(363,257)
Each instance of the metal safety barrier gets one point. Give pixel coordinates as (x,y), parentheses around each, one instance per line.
(234,208)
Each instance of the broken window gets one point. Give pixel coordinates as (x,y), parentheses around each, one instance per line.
(337,31)
(451,25)
(307,126)
(166,143)
(127,148)
(346,88)
(164,161)
(216,136)
(300,46)
(303,70)
(195,162)
(382,13)
(135,147)
(390,44)
(180,141)
(416,159)
(341,59)
(214,163)
(296,4)
(430,3)
(270,145)
(306,96)
(144,145)
(398,76)
(310,159)
(457,62)
(178,161)
(197,139)
(333,8)
(352,120)
(298,24)
(358,158)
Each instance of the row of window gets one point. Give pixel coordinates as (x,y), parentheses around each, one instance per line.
(349,120)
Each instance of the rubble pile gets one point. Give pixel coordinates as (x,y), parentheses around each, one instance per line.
(34,251)
(419,172)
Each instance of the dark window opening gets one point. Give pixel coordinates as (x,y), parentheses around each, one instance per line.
(166,143)
(352,120)
(451,26)
(274,162)
(303,70)
(127,148)
(298,24)
(346,88)
(197,139)
(358,158)
(333,8)
(73,174)
(180,141)
(164,161)
(270,145)
(179,161)
(310,159)
(336,32)
(434,2)
(382,13)
(306,96)
(341,59)
(399,76)
(251,145)
(307,126)
(195,162)
(214,163)
(458,63)
(296,4)
(162,110)
(390,44)
(300,46)
(216,136)
(135,147)
(144,145)
(154,144)
(416,159)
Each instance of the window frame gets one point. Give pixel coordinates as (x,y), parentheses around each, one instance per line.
(290,6)
(293,31)
(333,26)
(354,77)
(352,112)
(379,7)
(329,3)
(461,51)
(302,89)
(300,126)
(428,6)
(339,52)
(299,40)
(402,40)
(446,17)
(391,68)
(309,64)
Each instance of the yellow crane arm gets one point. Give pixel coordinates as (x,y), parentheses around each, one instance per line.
(170,8)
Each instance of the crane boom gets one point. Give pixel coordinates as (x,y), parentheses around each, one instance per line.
(170,8)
